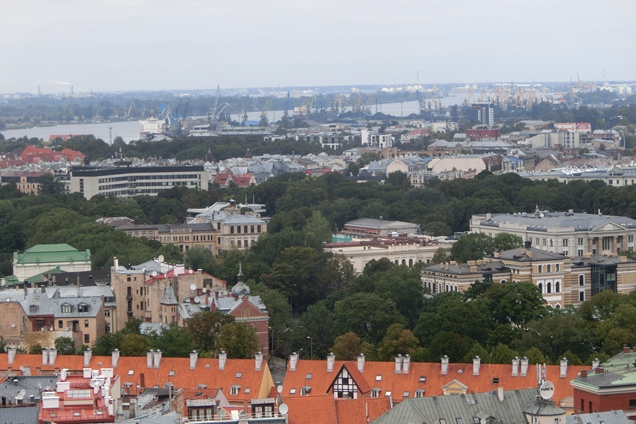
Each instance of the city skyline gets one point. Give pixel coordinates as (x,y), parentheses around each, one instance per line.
(139,45)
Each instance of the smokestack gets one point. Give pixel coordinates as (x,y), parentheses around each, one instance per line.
(564,368)
(222,360)
(87,357)
(115,357)
(11,355)
(259,360)
(45,356)
(157,358)
(524,366)
(406,364)
(398,364)
(194,356)
(361,360)
(331,359)
(149,358)
(476,365)
(52,356)
(444,365)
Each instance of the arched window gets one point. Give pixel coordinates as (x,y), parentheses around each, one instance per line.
(549,287)
(397,262)
(557,306)
(581,280)
(541,287)
(410,263)
(557,286)
(403,261)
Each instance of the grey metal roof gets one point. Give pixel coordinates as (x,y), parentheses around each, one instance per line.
(242,220)
(544,220)
(608,417)
(93,305)
(381,224)
(521,255)
(169,297)
(25,414)
(32,386)
(430,410)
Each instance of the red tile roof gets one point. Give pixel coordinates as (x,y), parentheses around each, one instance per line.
(382,375)
(327,410)
(237,372)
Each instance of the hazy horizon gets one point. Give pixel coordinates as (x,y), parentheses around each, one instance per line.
(122,45)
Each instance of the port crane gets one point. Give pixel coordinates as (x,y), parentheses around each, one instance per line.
(127,113)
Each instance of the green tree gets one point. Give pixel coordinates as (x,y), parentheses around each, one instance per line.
(205,328)
(200,258)
(502,354)
(440,256)
(397,340)
(472,247)
(367,315)
(36,349)
(105,344)
(507,241)
(348,346)
(65,346)
(134,345)
(49,185)
(173,342)
(476,350)
(238,339)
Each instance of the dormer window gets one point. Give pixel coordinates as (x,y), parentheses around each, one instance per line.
(67,308)
(82,307)
(375,393)
(33,308)
(234,390)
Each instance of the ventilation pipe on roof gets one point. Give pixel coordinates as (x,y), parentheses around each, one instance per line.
(194,356)
(114,357)
(515,366)
(222,360)
(11,355)
(258,360)
(476,365)
(361,361)
(63,374)
(115,262)
(87,357)
(524,366)
(157,358)
(52,356)
(331,359)
(293,361)
(149,358)
(45,356)
(398,364)
(406,364)
(444,365)
(564,368)
(595,363)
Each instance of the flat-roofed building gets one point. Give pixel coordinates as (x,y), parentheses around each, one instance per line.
(378,227)
(135,180)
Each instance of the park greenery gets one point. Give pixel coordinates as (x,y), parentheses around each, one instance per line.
(315,300)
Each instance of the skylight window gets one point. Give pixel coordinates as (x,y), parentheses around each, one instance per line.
(422,379)
(171,373)
(378,377)
(308,377)
(131,372)
(292,391)
(239,374)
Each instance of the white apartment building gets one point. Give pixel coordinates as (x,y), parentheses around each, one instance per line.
(568,233)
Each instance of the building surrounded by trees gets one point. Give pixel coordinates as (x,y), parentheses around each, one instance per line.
(43,258)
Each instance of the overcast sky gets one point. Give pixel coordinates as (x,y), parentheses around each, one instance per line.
(116,45)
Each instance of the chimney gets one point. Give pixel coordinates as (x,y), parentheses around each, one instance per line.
(193,359)
(444,365)
(222,360)
(52,356)
(293,361)
(500,393)
(625,349)
(11,355)
(115,357)
(157,358)
(398,364)
(87,357)
(142,379)
(149,358)
(78,281)
(361,362)
(63,374)
(583,373)
(45,356)
(115,262)
(331,359)
(564,368)
(259,360)
(515,366)
(476,365)
(524,366)
(595,363)
(406,364)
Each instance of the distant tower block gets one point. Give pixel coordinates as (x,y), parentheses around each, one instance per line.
(485,113)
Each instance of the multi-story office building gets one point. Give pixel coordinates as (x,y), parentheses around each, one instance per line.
(133,181)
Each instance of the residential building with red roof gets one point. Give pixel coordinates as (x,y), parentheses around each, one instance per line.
(403,379)
(33,154)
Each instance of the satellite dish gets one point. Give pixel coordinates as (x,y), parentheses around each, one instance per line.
(204,290)
(546,390)
(283,408)
(197,299)
(279,389)
(160,258)
(193,287)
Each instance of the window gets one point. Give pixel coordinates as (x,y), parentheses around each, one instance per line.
(247,390)
(630,238)
(107,313)
(171,373)
(495,380)
(580,252)
(565,242)
(557,267)
(632,403)
(234,390)
(378,377)
(305,391)
(292,391)
(549,288)
(581,296)
(606,243)
(308,377)
(422,379)
(66,308)
(239,374)
(557,287)
(131,372)
(540,269)
(549,268)
(406,394)
(85,323)
(419,393)
(60,324)
(580,241)
(375,393)
(33,308)
(459,421)
(442,421)
(87,338)
(540,285)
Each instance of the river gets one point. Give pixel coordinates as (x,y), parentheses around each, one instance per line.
(129,130)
